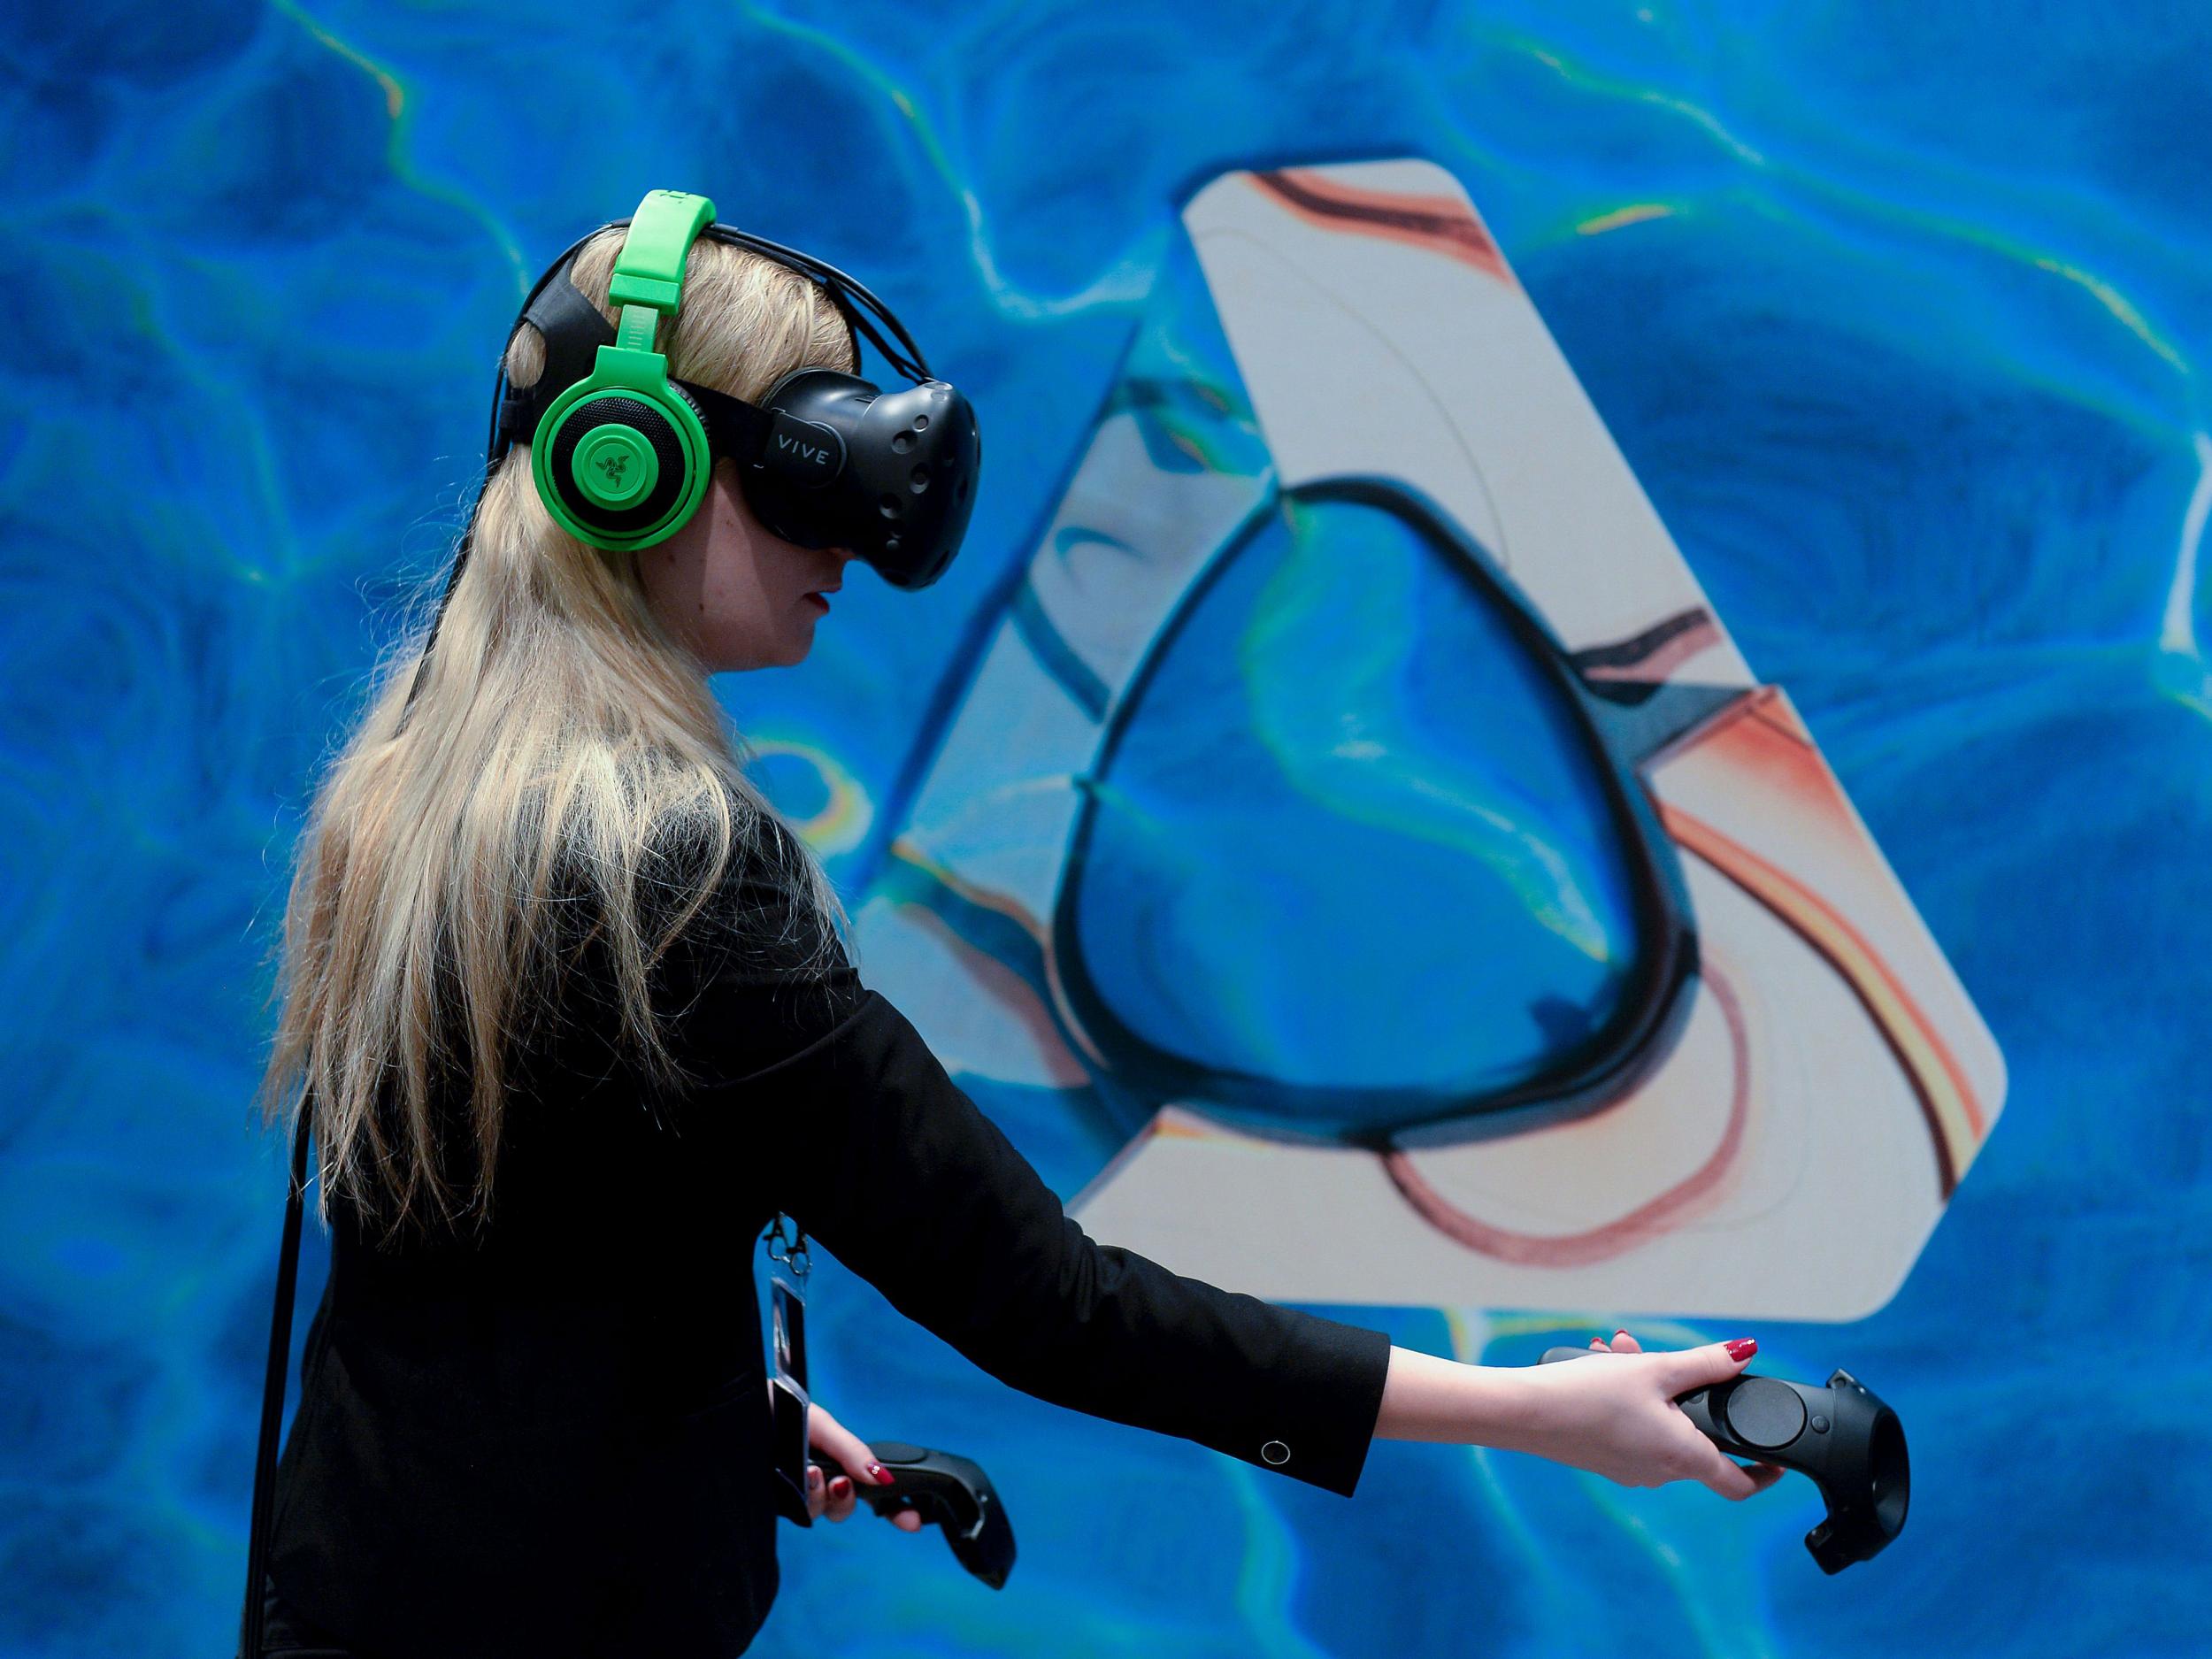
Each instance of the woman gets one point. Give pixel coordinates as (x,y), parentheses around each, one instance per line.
(575,1016)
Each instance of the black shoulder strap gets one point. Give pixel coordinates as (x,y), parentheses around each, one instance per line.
(273,1396)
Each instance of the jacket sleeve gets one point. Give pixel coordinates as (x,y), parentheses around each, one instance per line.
(881,1156)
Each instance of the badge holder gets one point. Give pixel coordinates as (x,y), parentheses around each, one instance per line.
(787,1382)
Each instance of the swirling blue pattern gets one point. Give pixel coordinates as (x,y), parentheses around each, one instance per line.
(1894,308)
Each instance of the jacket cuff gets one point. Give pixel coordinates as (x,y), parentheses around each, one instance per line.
(1315,1414)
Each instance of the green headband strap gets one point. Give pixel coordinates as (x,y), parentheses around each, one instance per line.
(648,273)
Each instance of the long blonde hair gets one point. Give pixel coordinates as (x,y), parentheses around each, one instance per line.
(560,736)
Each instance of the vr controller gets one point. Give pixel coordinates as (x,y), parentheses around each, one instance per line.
(1842,1436)
(951,1491)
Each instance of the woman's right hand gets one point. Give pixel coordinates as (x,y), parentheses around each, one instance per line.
(1614,1414)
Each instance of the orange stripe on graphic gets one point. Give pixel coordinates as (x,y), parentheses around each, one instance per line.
(1946,1099)
(1437,223)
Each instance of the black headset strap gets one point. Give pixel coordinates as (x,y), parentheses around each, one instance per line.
(251,1632)
(574,330)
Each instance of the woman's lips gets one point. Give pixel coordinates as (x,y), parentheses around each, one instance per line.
(818,600)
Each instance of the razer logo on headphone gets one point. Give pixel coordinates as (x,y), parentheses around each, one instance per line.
(613,466)
(815,452)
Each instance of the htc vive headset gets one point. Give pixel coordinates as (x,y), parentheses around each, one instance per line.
(621,453)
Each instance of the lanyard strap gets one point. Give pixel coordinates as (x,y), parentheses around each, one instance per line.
(795,1255)
(273,1397)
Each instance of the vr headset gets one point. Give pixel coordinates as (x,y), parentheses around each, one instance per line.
(622,454)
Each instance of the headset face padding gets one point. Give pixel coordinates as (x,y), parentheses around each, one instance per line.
(890,475)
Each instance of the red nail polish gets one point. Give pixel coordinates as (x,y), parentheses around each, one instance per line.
(882,1475)
(840,1486)
(1743,1348)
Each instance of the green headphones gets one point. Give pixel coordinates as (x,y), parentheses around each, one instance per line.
(621,455)
(621,459)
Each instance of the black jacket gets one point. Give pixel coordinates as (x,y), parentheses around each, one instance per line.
(554,1441)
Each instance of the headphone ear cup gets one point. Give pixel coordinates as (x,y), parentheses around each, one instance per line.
(621,467)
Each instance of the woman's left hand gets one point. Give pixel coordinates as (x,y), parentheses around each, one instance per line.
(843,1459)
